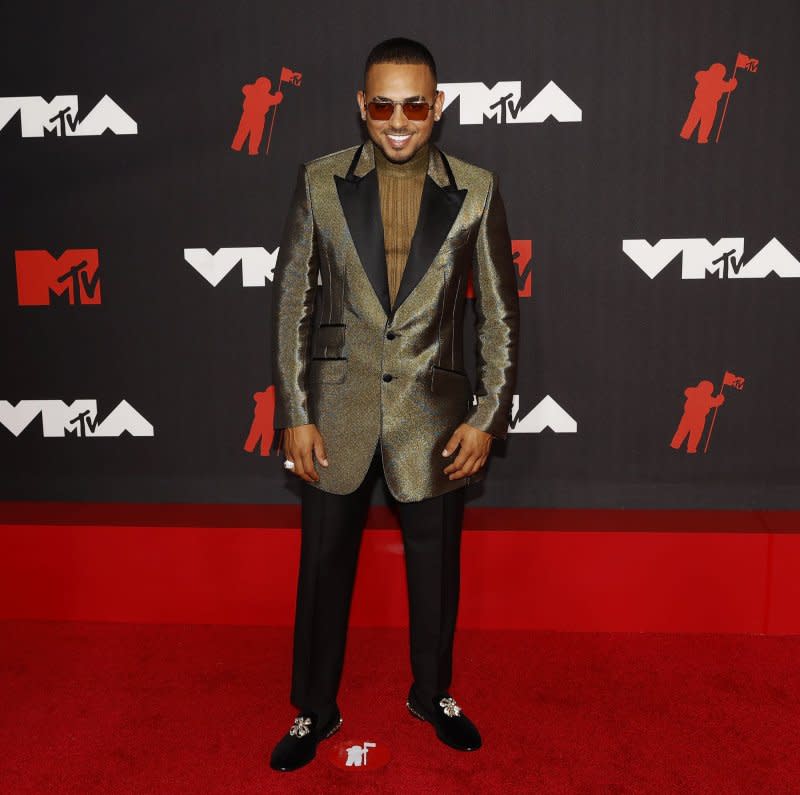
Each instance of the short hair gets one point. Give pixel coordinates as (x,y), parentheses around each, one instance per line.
(400,50)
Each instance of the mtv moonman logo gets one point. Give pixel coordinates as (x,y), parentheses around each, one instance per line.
(711,85)
(72,278)
(261,429)
(358,756)
(700,400)
(258,101)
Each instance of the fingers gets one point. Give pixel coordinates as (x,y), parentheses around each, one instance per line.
(301,444)
(319,451)
(305,466)
(452,443)
(462,468)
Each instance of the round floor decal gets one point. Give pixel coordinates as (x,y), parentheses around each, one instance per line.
(358,754)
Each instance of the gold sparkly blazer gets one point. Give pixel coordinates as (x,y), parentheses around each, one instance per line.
(364,370)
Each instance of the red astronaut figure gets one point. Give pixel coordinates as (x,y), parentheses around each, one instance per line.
(257,102)
(261,428)
(711,85)
(699,401)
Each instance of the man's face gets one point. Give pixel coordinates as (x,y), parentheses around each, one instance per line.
(398,137)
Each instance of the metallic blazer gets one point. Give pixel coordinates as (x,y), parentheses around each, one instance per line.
(363,371)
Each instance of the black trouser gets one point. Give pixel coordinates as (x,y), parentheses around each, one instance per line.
(331,536)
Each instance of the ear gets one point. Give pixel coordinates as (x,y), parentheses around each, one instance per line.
(438,104)
(361,106)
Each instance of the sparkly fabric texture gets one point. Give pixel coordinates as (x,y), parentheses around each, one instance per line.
(400,188)
(365,374)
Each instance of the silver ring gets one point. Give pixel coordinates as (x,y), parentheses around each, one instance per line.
(288,464)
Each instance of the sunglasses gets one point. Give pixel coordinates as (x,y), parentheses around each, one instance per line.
(382,110)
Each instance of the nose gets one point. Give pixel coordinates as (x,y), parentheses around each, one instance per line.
(398,118)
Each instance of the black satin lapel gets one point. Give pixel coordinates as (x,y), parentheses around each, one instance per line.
(361,205)
(437,212)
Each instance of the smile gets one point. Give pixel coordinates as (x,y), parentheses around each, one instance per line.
(398,141)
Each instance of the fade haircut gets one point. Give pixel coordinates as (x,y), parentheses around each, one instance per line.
(400,50)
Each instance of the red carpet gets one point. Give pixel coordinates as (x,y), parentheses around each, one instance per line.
(122,708)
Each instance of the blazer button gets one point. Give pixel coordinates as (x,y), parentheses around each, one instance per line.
(387,377)
(390,335)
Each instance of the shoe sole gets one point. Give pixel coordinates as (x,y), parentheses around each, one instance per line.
(333,730)
(423,718)
(415,713)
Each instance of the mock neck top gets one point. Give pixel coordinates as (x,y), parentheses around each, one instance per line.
(400,187)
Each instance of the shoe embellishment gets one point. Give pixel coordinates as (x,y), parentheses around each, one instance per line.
(451,709)
(300,727)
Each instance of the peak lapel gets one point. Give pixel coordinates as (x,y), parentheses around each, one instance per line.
(361,204)
(440,204)
(360,199)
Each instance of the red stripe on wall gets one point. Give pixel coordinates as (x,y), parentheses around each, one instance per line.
(606,579)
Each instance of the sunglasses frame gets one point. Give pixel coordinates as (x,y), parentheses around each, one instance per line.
(428,105)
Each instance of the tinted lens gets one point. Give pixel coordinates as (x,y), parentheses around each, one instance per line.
(380,111)
(415,111)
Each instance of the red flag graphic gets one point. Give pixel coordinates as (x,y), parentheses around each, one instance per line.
(746,62)
(729,379)
(288,76)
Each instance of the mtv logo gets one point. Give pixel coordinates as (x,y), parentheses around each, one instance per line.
(258,264)
(521,254)
(723,259)
(503,103)
(79,418)
(59,116)
(73,278)
(546,414)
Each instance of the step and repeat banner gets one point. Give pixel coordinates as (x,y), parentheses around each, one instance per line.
(647,158)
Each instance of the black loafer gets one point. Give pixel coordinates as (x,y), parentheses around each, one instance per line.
(452,726)
(299,745)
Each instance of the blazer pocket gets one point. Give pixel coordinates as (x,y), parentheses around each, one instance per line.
(449,382)
(327,370)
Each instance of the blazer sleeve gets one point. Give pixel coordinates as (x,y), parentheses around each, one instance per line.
(494,283)
(294,285)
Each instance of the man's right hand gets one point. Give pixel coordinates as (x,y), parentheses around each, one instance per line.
(300,444)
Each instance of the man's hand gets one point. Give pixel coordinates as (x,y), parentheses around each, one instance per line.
(475,445)
(299,443)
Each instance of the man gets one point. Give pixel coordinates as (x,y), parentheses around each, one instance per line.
(369,378)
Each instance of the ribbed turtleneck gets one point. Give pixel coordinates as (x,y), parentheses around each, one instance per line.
(400,186)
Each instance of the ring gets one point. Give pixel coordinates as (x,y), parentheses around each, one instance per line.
(288,464)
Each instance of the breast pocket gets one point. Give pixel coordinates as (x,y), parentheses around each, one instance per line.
(450,383)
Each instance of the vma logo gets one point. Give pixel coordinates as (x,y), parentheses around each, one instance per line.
(546,414)
(258,264)
(503,103)
(73,278)
(521,252)
(79,418)
(725,259)
(59,117)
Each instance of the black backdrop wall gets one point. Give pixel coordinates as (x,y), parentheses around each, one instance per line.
(136,263)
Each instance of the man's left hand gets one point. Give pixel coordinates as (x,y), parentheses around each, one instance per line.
(474,450)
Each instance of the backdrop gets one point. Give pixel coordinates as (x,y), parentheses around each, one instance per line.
(147,175)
